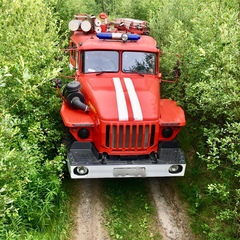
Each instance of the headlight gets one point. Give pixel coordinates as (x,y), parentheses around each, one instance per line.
(80,170)
(83,133)
(167,132)
(175,169)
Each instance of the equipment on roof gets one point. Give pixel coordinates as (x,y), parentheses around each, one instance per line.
(92,24)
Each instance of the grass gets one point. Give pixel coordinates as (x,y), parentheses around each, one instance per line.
(129,212)
(60,225)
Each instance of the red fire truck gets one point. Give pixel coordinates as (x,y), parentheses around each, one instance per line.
(121,126)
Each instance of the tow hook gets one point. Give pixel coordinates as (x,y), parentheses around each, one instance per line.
(104,158)
(154,157)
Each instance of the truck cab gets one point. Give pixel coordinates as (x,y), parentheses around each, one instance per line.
(113,109)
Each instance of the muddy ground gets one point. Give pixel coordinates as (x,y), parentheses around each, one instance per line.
(171,211)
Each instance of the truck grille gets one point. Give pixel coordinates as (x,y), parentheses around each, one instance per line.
(130,137)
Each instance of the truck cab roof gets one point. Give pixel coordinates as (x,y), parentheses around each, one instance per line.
(92,42)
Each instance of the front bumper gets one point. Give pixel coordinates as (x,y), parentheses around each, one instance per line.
(84,156)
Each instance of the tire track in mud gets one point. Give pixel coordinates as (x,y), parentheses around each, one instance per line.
(89,220)
(171,211)
(172,218)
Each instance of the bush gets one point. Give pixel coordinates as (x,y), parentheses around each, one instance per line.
(31,161)
(223,160)
(206,37)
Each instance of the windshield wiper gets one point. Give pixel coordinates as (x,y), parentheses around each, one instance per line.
(99,73)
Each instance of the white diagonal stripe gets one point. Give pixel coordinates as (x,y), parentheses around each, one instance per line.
(121,101)
(137,111)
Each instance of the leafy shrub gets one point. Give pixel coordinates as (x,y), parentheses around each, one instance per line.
(31,161)
(223,158)
(208,44)
(29,185)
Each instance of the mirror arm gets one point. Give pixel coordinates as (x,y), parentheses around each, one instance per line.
(170,81)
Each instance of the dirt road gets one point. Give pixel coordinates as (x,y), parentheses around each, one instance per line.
(89,224)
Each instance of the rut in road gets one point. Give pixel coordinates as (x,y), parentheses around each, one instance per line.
(89,219)
(172,218)
(171,211)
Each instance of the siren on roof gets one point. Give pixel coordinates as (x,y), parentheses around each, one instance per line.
(123,36)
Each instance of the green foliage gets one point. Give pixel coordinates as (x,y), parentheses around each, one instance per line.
(208,44)
(224,146)
(163,15)
(223,158)
(29,33)
(29,185)
(128,9)
(31,158)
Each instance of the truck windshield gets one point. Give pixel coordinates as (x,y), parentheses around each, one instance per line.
(100,61)
(141,62)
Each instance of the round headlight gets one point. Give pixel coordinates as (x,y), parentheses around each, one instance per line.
(80,170)
(167,132)
(124,37)
(175,169)
(83,133)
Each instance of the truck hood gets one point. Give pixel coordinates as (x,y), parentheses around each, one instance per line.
(123,98)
